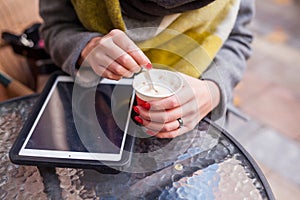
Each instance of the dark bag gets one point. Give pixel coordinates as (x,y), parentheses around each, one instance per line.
(30,45)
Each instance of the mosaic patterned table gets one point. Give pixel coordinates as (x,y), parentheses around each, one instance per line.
(206,163)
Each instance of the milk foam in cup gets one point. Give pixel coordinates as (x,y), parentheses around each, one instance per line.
(165,82)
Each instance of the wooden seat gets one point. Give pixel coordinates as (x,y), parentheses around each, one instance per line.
(15,16)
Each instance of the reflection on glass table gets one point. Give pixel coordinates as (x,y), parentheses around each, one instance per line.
(210,165)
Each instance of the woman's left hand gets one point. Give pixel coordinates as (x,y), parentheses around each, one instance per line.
(193,102)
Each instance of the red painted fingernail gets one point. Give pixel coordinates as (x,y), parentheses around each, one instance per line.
(148,66)
(149,132)
(136,110)
(146,105)
(138,119)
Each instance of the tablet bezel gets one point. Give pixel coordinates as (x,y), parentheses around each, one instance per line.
(66,160)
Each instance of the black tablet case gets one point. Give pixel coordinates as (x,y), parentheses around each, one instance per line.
(104,166)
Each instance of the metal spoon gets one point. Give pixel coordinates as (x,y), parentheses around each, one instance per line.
(148,78)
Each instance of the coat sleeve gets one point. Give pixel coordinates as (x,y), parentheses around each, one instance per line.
(64,35)
(229,64)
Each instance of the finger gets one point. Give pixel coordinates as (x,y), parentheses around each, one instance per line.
(172,134)
(120,70)
(127,53)
(161,116)
(140,58)
(124,42)
(112,50)
(117,54)
(103,72)
(189,123)
(129,63)
(181,97)
(107,62)
(161,127)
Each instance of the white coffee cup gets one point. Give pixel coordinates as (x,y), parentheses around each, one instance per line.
(166,83)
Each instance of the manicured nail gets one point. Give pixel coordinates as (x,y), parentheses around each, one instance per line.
(149,132)
(148,66)
(146,105)
(136,110)
(138,119)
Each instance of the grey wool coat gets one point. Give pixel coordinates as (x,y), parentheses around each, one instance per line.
(65,37)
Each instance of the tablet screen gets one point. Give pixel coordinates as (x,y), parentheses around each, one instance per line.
(94,130)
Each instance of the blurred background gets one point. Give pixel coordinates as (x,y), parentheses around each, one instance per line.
(268,96)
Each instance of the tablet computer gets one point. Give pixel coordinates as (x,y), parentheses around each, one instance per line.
(75,126)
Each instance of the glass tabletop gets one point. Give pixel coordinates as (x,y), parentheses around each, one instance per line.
(206,163)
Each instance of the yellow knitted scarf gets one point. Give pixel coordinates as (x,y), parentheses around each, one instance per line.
(187,45)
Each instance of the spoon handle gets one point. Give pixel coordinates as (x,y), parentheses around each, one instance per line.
(149,80)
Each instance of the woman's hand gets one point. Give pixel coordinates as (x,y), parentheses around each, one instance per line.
(113,56)
(193,102)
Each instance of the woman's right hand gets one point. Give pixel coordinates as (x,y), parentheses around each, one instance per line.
(113,56)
